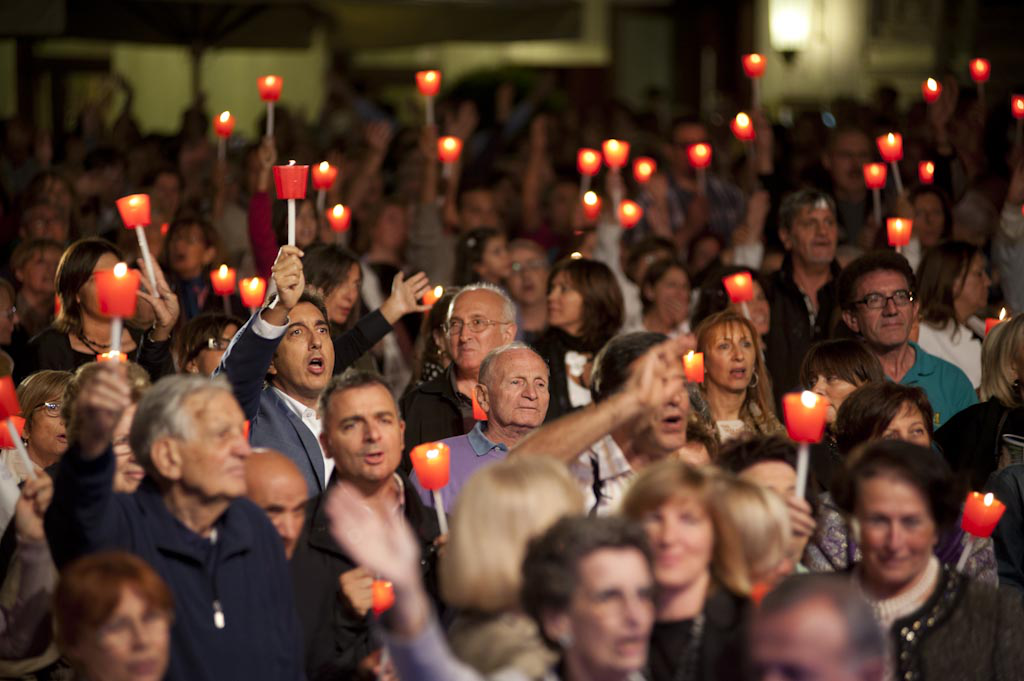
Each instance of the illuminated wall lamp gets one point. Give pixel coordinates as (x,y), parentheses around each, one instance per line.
(789,26)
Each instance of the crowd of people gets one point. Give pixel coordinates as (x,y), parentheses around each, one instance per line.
(238,497)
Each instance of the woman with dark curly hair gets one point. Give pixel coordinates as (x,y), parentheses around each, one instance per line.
(584,312)
(941,624)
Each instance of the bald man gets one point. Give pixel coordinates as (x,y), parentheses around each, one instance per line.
(275,484)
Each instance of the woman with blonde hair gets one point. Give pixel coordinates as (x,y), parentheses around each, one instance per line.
(700,570)
(40,396)
(973,439)
(735,397)
(761,521)
(499,510)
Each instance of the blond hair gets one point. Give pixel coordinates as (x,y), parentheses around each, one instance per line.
(671,480)
(39,388)
(1001,347)
(761,521)
(499,510)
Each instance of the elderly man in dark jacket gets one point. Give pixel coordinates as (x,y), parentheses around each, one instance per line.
(362,433)
(234,611)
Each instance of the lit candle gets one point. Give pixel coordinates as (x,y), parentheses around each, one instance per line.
(930,90)
(693,366)
(874,177)
(223,280)
(433,295)
(112,357)
(117,291)
(890,146)
(742,127)
(1017,109)
(980,71)
(449,148)
(9,410)
(926,172)
(223,125)
(339,218)
(270,92)
(740,287)
(135,215)
(982,513)
(252,292)
(290,182)
(431,462)
(805,415)
(616,153)
(898,231)
(383,594)
(990,323)
(323,175)
(630,213)
(429,84)
(644,168)
(753,66)
(699,156)
(588,161)
(591,206)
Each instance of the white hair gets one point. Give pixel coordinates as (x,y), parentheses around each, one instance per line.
(509,307)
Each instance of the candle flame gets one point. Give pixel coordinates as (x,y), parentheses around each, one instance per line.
(438,291)
(1002,314)
(449,143)
(613,145)
(890,138)
(269,80)
(590,198)
(989,498)
(291,162)
(808,399)
(223,271)
(338,211)
(225,116)
(120,270)
(689,356)
(324,166)
(433,453)
(589,156)
(575,255)
(254,283)
(932,84)
(929,166)
(755,58)
(430,76)
(742,119)
(134,201)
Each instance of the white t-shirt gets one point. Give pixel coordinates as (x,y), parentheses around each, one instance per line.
(961,348)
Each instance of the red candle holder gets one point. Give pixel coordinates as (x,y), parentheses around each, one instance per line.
(433,295)
(805,415)
(742,127)
(890,146)
(9,405)
(253,290)
(223,280)
(898,230)
(134,210)
(339,217)
(449,148)
(616,153)
(693,366)
(224,124)
(753,65)
(644,168)
(383,595)
(588,161)
(431,462)
(875,175)
(991,322)
(926,172)
(699,155)
(591,206)
(930,90)
(270,88)
(739,286)
(1017,106)
(6,441)
(117,290)
(324,175)
(980,70)
(428,82)
(630,213)
(290,181)
(982,513)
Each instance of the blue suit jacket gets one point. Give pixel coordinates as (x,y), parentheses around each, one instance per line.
(272,423)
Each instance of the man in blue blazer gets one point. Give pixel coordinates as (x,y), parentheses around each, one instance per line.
(284,356)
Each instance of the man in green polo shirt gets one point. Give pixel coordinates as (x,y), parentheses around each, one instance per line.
(877,295)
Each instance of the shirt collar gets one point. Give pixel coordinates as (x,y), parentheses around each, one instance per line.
(480,443)
(301,410)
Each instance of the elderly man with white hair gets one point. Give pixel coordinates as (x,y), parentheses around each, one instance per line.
(513,392)
(234,613)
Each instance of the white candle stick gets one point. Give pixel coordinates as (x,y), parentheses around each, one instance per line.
(116,327)
(19,447)
(430,110)
(968,542)
(896,177)
(291,222)
(147,260)
(746,310)
(321,201)
(585,181)
(222,148)
(755,94)
(702,181)
(442,520)
(803,460)
(270,119)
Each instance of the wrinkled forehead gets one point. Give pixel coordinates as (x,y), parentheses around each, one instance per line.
(519,361)
(477,303)
(361,401)
(881,281)
(728,331)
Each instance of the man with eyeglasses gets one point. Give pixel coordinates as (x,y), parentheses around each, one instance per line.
(527,285)
(480,318)
(877,295)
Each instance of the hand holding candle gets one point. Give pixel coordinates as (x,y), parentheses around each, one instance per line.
(223,125)
(588,163)
(339,218)
(630,214)
(699,156)
(135,215)
(693,366)
(431,463)
(981,515)
(591,206)
(740,287)
(805,415)
(9,410)
(931,89)
(429,84)
(323,175)
(270,91)
(383,596)
(449,148)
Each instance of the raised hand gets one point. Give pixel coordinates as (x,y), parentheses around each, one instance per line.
(31,507)
(378,136)
(98,408)
(406,295)
(166,308)
(289,276)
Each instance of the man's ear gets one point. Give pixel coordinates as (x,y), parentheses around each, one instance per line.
(482,398)
(165,456)
(784,238)
(851,321)
(272,370)
(509,334)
